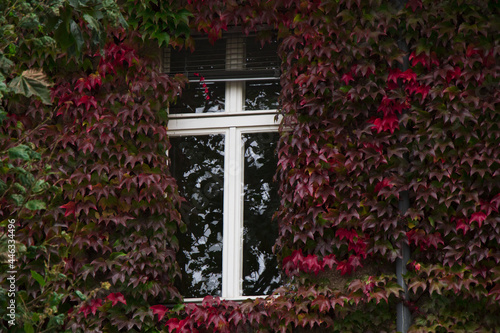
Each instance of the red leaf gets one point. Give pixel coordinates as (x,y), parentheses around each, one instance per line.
(210,301)
(408,75)
(94,304)
(85,309)
(88,101)
(160,310)
(80,85)
(453,74)
(94,81)
(115,298)
(347,234)
(172,323)
(70,208)
(414,4)
(389,123)
(423,90)
(359,247)
(421,58)
(329,260)
(384,183)
(236,317)
(344,267)
(478,217)
(297,257)
(323,303)
(347,78)
(311,264)
(394,75)
(471,50)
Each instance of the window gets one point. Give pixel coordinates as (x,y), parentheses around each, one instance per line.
(223,132)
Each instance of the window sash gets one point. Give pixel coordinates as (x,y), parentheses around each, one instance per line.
(232,123)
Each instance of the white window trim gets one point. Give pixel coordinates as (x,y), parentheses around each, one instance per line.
(232,123)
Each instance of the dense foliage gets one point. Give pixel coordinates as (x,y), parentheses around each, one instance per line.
(380,103)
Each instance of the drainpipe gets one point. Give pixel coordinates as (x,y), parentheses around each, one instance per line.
(403,321)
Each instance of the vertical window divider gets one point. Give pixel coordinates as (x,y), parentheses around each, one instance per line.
(232,251)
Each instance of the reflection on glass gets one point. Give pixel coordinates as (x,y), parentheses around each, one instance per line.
(261,95)
(200,98)
(198,167)
(260,267)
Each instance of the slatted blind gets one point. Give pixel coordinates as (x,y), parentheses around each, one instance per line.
(230,58)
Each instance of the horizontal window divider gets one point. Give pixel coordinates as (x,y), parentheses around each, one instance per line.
(264,78)
(241,120)
(222,114)
(236,299)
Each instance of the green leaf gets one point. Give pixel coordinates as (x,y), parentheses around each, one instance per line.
(55,299)
(3,114)
(93,23)
(35,205)
(40,186)
(431,221)
(3,89)
(21,151)
(31,82)
(162,37)
(79,294)
(18,199)
(38,278)
(345,89)
(77,35)
(20,188)
(58,320)
(179,307)
(3,187)
(75,3)
(5,63)
(116,255)
(28,328)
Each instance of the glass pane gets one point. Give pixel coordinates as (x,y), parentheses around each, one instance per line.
(201,97)
(260,267)
(261,95)
(198,167)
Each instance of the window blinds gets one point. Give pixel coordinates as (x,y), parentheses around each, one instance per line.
(230,58)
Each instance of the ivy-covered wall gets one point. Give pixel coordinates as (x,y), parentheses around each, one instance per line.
(383,104)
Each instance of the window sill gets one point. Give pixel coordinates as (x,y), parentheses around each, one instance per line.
(234,299)
(221,114)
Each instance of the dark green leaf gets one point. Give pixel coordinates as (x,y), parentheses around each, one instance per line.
(21,151)
(35,205)
(38,278)
(28,328)
(31,82)
(18,199)
(77,35)
(81,295)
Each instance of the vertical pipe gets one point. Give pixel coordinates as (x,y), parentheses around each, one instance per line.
(403,312)
(403,320)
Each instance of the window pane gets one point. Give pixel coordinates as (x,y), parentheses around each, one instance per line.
(260,267)
(201,97)
(261,95)
(198,167)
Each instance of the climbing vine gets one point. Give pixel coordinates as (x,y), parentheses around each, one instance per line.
(378,100)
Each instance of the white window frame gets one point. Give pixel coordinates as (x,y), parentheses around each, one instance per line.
(232,123)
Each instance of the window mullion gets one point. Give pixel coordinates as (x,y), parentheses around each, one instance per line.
(234,96)
(232,252)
